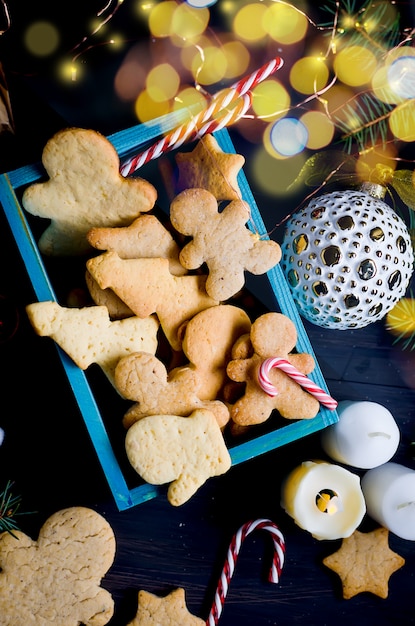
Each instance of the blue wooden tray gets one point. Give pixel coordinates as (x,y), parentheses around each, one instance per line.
(127,143)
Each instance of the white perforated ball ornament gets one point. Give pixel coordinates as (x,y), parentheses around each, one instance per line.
(347,257)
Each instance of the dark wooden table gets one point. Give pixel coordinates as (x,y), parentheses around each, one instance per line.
(49,456)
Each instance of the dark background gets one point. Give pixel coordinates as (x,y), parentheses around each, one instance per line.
(47,451)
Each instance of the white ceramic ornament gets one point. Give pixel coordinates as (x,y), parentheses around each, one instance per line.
(347,257)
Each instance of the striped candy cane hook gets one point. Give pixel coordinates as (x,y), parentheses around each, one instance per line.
(233,553)
(292,372)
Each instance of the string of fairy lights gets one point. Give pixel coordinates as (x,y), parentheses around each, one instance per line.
(350,78)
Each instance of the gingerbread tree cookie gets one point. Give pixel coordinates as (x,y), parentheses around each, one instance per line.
(272,335)
(365,562)
(221,240)
(88,335)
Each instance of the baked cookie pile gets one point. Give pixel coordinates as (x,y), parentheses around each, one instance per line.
(163,319)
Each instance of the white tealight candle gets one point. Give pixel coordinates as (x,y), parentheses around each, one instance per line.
(324,499)
(389,491)
(365,436)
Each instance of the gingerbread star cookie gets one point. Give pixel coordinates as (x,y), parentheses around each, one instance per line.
(85,189)
(208,167)
(365,562)
(168,611)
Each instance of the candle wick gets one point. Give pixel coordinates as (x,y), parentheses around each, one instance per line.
(328,502)
(405,504)
(379,434)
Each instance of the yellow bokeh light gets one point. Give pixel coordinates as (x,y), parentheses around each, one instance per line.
(376,163)
(397,53)
(284,23)
(355,65)
(237,58)
(335,99)
(189,98)
(248,22)
(381,87)
(402,121)
(309,75)
(189,53)
(210,67)
(162,82)
(161,17)
(379,16)
(189,22)
(41,38)
(270,100)
(147,109)
(320,129)
(273,176)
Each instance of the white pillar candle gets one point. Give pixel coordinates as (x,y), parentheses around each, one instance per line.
(312,485)
(365,436)
(389,491)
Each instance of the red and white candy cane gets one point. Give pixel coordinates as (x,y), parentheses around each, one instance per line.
(301,379)
(188,133)
(233,553)
(191,130)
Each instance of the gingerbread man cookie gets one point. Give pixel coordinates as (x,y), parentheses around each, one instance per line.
(207,343)
(56,579)
(221,240)
(272,335)
(85,189)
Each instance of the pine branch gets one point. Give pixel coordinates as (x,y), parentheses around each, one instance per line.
(9,510)
(364,121)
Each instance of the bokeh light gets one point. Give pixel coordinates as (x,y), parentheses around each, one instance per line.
(248,23)
(379,16)
(237,58)
(147,109)
(309,75)
(376,164)
(355,65)
(401,76)
(381,87)
(131,75)
(209,66)
(288,136)
(270,100)
(402,121)
(189,98)
(41,38)
(199,4)
(188,22)
(320,129)
(284,23)
(274,176)
(161,17)
(162,82)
